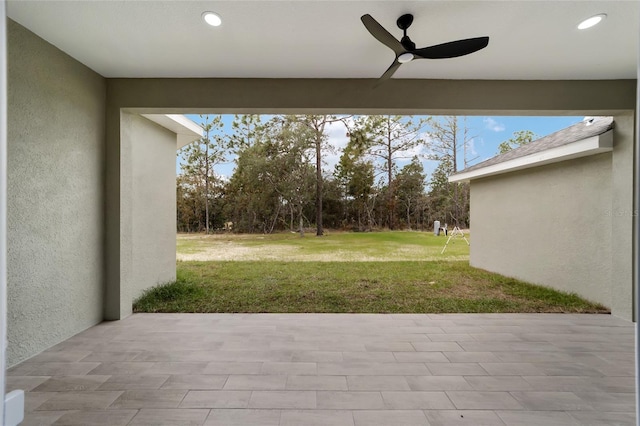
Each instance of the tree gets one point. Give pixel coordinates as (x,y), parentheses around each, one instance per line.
(441,192)
(356,174)
(188,215)
(521,137)
(409,185)
(333,206)
(292,173)
(252,202)
(389,138)
(201,157)
(449,136)
(317,125)
(273,176)
(247,129)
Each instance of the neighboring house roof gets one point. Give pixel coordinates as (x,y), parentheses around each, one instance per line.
(588,137)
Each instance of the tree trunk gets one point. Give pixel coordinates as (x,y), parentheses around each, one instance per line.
(319,228)
(301,223)
(275,219)
(206,183)
(390,203)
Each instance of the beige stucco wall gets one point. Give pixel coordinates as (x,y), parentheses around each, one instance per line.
(622,215)
(56,125)
(548,225)
(148,179)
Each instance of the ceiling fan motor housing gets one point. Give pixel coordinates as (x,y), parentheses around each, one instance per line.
(407,43)
(404,22)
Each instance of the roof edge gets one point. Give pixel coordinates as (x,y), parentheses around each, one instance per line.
(582,148)
(186,130)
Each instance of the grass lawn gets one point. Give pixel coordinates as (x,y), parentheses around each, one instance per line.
(335,246)
(312,275)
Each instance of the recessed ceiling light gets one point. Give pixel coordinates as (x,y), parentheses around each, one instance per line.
(590,22)
(212,19)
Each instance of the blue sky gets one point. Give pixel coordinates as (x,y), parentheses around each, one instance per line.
(488,132)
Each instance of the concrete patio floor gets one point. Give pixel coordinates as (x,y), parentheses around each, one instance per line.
(336,369)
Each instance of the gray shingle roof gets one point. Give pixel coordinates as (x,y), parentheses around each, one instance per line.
(577,132)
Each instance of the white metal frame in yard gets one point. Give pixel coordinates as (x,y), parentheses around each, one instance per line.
(455,233)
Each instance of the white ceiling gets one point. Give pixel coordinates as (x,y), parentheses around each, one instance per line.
(325,39)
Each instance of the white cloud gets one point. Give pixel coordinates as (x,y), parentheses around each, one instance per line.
(405,156)
(471,146)
(337,138)
(222,177)
(493,125)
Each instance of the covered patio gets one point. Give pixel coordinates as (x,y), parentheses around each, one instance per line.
(336,369)
(80,75)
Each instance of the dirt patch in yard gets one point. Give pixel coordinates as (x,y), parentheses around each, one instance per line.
(230,250)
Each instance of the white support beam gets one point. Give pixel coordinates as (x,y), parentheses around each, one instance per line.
(186,130)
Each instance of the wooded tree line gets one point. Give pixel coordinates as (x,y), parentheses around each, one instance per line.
(279,182)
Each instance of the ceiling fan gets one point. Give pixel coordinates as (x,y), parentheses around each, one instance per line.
(406,51)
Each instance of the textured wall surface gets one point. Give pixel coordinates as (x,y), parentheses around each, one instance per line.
(56,133)
(549,225)
(353,96)
(622,217)
(148,179)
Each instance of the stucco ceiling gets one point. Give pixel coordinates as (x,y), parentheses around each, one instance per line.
(532,40)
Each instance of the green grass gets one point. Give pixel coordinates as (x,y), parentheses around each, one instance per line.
(358,287)
(377,272)
(335,246)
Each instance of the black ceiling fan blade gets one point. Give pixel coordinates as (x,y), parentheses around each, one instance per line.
(453,49)
(382,35)
(389,72)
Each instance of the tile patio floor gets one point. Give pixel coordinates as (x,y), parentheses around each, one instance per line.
(335,369)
